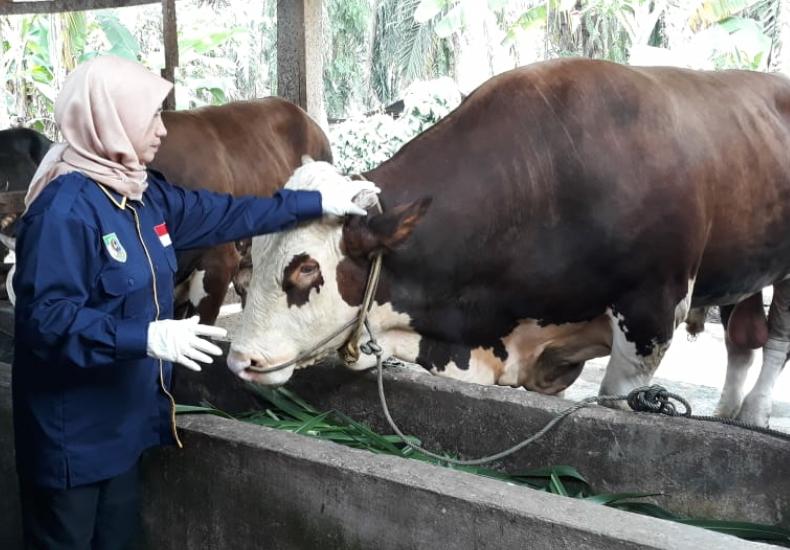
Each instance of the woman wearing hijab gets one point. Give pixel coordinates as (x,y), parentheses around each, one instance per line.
(94,334)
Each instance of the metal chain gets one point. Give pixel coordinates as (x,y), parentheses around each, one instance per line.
(655,399)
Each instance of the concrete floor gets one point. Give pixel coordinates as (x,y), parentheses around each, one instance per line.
(692,369)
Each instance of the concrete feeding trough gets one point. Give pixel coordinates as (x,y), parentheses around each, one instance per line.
(237,485)
(704,470)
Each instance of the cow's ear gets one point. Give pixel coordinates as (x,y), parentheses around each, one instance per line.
(363,236)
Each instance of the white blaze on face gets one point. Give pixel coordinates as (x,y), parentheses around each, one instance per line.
(277,326)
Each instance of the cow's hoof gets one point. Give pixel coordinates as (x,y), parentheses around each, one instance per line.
(727,409)
(616,405)
(755,411)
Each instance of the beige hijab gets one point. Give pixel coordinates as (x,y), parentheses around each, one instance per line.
(104,109)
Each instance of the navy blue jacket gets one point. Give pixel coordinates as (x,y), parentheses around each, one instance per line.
(87,399)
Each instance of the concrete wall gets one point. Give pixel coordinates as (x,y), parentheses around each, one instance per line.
(241,486)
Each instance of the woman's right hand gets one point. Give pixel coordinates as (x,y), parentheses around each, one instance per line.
(177,340)
(338,199)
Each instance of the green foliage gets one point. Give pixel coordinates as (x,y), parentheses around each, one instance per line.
(404,51)
(346,55)
(374,48)
(201,82)
(34,62)
(711,12)
(362,143)
(121,41)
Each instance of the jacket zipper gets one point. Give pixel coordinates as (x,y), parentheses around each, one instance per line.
(156,302)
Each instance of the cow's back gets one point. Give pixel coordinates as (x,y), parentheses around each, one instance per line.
(588,178)
(244,147)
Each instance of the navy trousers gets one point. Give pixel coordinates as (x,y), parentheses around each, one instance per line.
(99,516)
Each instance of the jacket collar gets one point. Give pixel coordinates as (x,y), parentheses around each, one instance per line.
(116,198)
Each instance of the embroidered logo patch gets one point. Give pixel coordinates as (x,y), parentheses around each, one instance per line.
(114,247)
(162,233)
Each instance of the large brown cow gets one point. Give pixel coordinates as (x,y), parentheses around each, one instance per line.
(565,210)
(242,148)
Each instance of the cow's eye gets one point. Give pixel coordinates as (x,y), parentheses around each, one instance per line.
(301,276)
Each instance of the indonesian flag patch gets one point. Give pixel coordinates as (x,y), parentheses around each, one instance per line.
(164,236)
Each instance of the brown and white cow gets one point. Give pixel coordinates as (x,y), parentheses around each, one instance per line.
(242,148)
(564,211)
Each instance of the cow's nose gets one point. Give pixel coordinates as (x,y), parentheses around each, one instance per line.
(238,361)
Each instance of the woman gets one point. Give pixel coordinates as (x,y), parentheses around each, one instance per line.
(94,285)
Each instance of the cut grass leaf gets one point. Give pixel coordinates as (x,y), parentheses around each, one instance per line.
(741,529)
(560,471)
(556,486)
(645,508)
(196,409)
(613,498)
(316,422)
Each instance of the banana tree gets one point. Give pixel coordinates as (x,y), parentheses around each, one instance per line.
(730,34)
(38,50)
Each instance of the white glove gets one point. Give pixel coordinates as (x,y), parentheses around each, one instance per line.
(338,198)
(177,341)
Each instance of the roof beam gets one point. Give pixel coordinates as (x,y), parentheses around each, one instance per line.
(11,7)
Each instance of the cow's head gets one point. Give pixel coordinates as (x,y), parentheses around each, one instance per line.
(308,282)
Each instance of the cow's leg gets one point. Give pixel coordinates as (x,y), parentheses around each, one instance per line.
(756,408)
(642,328)
(632,363)
(220,265)
(739,359)
(745,329)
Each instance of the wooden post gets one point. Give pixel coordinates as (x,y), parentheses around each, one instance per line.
(170,38)
(300,57)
